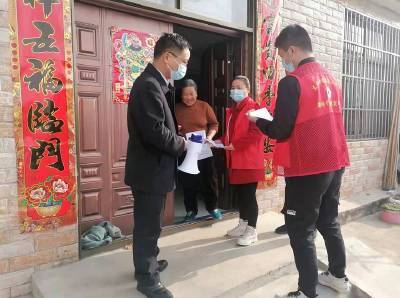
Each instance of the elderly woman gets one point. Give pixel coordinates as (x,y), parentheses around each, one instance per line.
(195,115)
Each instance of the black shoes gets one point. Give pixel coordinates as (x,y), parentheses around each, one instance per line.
(162,265)
(157,291)
(281,230)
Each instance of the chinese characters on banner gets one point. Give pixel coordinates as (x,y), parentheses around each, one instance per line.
(42,73)
(267,74)
(131,52)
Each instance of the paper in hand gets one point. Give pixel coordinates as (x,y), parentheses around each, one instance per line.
(262,114)
(205,150)
(215,144)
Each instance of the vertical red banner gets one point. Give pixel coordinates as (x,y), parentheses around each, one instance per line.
(267,74)
(42,73)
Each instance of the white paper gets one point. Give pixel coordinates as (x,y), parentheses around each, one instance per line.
(215,144)
(262,113)
(205,150)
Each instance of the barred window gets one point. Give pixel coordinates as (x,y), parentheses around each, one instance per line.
(371,56)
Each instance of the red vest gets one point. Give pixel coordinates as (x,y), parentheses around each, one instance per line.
(252,157)
(317,143)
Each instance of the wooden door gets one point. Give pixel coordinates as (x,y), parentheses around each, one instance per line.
(222,72)
(103,133)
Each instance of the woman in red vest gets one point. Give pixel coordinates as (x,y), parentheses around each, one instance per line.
(245,159)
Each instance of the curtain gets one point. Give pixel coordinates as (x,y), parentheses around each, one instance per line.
(390,173)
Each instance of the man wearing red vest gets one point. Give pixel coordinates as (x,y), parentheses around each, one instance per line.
(311,153)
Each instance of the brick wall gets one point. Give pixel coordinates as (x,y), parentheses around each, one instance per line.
(21,254)
(324,21)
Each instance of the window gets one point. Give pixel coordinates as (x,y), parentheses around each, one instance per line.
(371,57)
(231,11)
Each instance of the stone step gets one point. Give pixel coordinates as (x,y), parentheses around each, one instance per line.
(203,262)
(288,284)
(372,274)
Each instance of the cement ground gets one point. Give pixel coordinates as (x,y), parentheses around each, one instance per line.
(206,264)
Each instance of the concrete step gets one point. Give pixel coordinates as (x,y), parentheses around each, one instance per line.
(372,274)
(288,284)
(362,205)
(203,262)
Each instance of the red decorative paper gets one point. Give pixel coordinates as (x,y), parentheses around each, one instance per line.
(42,74)
(131,52)
(267,74)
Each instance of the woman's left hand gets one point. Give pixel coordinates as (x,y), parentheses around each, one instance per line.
(230,147)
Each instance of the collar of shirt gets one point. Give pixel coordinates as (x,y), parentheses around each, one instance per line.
(307,60)
(166,81)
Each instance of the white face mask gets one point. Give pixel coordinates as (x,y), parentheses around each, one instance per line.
(289,67)
(179,74)
(237,95)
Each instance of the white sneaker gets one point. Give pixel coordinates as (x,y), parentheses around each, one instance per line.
(249,237)
(239,230)
(342,285)
(297,294)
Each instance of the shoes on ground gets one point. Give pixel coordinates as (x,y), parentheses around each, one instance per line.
(216,214)
(239,229)
(341,285)
(297,294)
(156,291)
(190,216)
(281,230)
(249,237)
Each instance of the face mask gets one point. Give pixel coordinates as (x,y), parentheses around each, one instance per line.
(179,74)
(289,67)
(237,95)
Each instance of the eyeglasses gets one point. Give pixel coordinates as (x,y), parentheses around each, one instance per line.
(183,61)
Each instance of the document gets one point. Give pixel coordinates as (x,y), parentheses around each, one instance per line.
(215,144)
(262,113)
(205,150)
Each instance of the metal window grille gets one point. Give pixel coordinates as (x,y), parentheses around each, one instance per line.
(371,56)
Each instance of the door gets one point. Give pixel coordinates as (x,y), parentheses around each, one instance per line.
(103,133)
(222,71)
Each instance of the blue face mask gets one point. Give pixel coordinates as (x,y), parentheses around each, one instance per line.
(237,95)
(179,74)
(288,67)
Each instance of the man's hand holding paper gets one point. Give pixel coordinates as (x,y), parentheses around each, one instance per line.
(254,115)
(215,144)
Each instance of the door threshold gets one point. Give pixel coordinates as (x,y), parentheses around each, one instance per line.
(169,230)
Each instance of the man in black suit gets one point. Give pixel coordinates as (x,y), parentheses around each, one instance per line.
(153,148)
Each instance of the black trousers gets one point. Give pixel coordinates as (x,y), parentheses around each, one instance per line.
(205,183)
(148,217)
(311,203)
(248,206)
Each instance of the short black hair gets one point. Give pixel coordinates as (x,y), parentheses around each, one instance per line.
(189,83)
(170,42)
(294,35)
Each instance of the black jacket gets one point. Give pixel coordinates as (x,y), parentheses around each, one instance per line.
(154,144)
